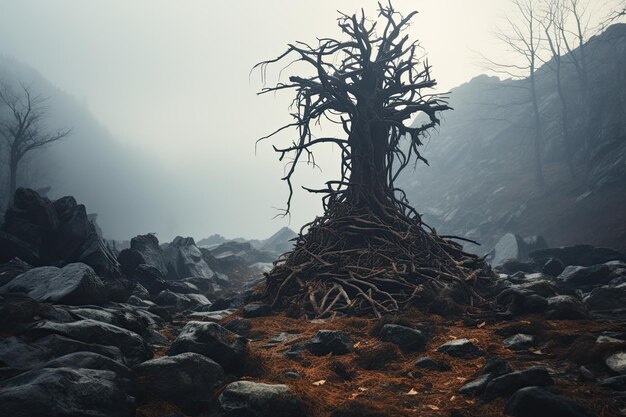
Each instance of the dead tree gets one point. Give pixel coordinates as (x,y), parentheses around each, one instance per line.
(552,23)
(369,252)
(23,128)
(523,36)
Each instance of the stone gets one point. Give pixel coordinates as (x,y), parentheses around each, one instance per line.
(606,299)
(585,277)
(187,380)
(507,384)
(519,342)
(133,346)
(566,307)
(16,353)
(617,383)
(17,310)
(496,366)
(509,246)
(255,399)
(183,259)
(324,342)
(405,338)
(88,360)
(582,255)
(14,247)
(553,267)
(12,269)
(74,284)
(616,362)
(477,386)
(431,364)
(213,341)
(521,301)
(149,251)
(461,348)
(66,392)
(239,326)
(539,402)
(256,310)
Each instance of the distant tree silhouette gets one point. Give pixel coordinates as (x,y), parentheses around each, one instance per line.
(22,127)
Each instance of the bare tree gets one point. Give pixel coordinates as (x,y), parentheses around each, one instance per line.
(369,253)
(23,128)
(523,35)
(554,20)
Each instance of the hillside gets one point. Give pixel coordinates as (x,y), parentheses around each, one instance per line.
(480,182)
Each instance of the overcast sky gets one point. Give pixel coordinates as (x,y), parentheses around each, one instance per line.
(171,78)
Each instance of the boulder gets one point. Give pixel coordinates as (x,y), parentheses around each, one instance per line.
(17,310)
(63,392)
(149,251)
(509,246)
(539,402)
(132,345)
(74,284)
(607,298)
(566,307)
(477,386)
(496,366)
(553,267)
(581,255)
(584,277)
(213,341)
(183,259)
(404,337)
(617,383)
(324,342)
(187,380)
(12,269)
(507,384)
(461,348)
(255,399)
(18,354)
(88,360)
(14,247)
(521,301)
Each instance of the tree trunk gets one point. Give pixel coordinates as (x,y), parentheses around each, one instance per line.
(538,131)
(13,165)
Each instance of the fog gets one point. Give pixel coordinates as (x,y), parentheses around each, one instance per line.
(170,80)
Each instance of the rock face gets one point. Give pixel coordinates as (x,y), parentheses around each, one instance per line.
(324,342)
(539,402)
(66,392)
(73,284)
(254,399)
(213,341)
(187,380)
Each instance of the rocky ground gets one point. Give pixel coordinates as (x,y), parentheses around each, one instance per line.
(175,329)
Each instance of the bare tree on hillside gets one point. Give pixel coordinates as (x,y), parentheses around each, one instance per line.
(523,36)
(22,127)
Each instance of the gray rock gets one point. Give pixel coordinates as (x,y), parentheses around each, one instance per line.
(254,399)
(477,386)
(461,348)
(149,251)
(519,342)
(617,383)
(509,383)
(616,362)
(213,341)
(431,364)
(187,380)
(75,284)
(566,307)
(607,299)
(553,267)
(16,353)
(509,246)
(583,255)
(88,360)
(496,366)
(64,392)
(183,259)
(584,277)
(521,301)
(256,310)
(324,342)
(539,402)
(404,337)
(133,346)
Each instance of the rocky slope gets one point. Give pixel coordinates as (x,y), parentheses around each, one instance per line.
(480,183)
(161,330)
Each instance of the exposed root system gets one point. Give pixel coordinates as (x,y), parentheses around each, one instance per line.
(353,262)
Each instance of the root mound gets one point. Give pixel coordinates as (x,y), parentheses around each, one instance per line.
(355,262)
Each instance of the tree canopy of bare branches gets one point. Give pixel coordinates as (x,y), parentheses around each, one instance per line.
(23,127)
(370,252)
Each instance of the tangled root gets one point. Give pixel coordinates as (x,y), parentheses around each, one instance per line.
(351,261)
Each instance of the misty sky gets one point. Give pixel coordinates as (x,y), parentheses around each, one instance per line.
(171,79)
